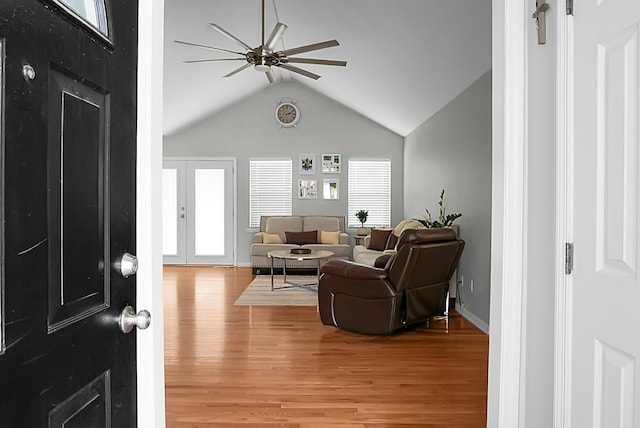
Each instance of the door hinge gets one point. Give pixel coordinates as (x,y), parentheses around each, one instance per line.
(569,7)
(568,258)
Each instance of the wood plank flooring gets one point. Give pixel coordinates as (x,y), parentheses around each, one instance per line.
(241,366)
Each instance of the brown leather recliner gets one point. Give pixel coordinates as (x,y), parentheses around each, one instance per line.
(410,289)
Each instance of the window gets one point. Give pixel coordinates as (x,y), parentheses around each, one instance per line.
(370,190)
(269,188)
(91,13)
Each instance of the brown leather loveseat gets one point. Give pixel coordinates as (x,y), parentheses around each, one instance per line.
(410,289)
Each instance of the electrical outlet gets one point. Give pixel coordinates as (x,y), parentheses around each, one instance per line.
(472,285)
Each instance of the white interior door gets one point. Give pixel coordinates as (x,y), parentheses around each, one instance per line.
(198,212)
(603,339)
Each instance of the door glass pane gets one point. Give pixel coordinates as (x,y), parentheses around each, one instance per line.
(92,12)
(170,212)
(209,214)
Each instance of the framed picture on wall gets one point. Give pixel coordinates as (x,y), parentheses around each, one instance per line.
(331,188)
(307,189)
(331,163)
(307,163)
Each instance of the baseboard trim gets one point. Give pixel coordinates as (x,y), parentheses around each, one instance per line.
(473,319)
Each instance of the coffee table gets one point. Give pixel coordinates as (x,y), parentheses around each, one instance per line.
(285,255)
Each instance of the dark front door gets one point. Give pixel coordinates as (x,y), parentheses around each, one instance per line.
(68,134)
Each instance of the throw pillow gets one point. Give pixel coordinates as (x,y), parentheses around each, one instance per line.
(271,238)
(332,238)
(379,239)
(391,242)
(300,238)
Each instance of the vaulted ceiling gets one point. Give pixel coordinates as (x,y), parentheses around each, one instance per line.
(406,58)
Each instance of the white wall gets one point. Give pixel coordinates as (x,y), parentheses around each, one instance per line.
(452,151)
(248,130)
(521,346)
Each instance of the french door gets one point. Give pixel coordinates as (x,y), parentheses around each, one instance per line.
(198,211)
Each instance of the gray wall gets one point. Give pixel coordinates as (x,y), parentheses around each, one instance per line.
(249,130)
(452,151)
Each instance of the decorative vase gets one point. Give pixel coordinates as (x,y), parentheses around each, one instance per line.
(363,231)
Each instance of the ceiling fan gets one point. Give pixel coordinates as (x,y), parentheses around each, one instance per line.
(263,57)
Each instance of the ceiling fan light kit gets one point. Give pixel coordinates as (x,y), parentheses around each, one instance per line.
(264,57)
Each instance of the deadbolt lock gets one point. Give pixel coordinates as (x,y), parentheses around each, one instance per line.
(128,265)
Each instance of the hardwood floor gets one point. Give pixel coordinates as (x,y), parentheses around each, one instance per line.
(242,366)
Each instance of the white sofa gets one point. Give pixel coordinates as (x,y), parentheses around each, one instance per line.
(363,254)
(273,236)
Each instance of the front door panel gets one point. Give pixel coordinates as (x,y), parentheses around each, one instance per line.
(68,133)
(89,407)
(78,282)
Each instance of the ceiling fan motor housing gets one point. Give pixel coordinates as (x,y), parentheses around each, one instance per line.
(262,59)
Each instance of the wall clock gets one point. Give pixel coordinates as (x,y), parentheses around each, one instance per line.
(287,114)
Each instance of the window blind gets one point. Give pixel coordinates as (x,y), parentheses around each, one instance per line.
(370,190)
(270,188)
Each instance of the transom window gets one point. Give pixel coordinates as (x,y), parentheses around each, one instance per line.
(92,13)
(370,190)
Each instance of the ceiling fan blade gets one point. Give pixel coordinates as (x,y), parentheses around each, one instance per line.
(315,61)
(214,60)
(311,47)
(271,76)
(238,70)
(231,36)
(208,47)
(300,71)
(275,36)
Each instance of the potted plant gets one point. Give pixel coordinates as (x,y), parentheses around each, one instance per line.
(362,217)
(444,219)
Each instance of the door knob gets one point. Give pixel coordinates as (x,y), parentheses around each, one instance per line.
(128,265)
(129,319)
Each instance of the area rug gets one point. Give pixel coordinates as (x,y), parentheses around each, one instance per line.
(259,293)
